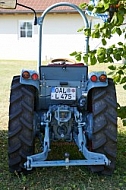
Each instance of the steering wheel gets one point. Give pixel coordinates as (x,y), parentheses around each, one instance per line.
(63,61)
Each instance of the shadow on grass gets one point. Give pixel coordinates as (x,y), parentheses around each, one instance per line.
(59,178)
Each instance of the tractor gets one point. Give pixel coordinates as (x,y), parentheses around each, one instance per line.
(62,103)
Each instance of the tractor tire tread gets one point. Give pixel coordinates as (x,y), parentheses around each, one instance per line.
(20,131)
(104,140)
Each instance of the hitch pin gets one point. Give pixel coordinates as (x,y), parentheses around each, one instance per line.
(67,159)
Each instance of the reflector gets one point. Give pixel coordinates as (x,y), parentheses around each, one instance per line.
(34,76)
(103,78)
(93,78)
(26,75)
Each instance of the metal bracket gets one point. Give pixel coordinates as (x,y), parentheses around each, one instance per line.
(80,141)
(91,158)
(30,164)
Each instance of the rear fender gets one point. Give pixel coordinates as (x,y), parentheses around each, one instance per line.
(30,81)
(97,83)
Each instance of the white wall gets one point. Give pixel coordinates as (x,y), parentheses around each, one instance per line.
(11,46)
(60,37)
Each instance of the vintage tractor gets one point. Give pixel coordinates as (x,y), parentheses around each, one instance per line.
(62,103)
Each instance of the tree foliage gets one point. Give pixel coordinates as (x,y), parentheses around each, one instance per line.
(116,52)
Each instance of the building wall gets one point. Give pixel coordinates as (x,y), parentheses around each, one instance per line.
(11,46)
(60,37)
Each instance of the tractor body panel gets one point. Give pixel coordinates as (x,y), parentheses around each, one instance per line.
(59,78)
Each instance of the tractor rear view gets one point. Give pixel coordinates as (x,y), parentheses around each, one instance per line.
(62,102)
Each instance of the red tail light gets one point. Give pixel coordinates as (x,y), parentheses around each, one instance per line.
(103,78)
(93,78)
(34,76)
(26,75)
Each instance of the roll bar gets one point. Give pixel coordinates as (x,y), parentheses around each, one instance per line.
(41,20)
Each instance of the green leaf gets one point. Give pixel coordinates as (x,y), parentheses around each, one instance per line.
(109,51)
(93,60)
(120,18)
(112,46)
(95,34)
(121,112)
(93,51)
(106,5)
(111,73)
(113,30)
(80,29)
(112,67)
(123,67)
(117,56)
(87,31)
(101,51)
(90,7)
(73,53)
(104,41)
(83,5)
(78,57)
(96,26)
(124,87)
(123,80)
(104,31)
(120,43)
(100,8)
(124,122)
(120,50)
(118,31)
(110,59)
(117,78)
(101,58)
(120,72)
(85,58)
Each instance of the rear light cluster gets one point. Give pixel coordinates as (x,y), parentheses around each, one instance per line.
(101,78)
(28,75)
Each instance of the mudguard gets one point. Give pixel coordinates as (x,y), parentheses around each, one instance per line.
(98,83)
(29,81)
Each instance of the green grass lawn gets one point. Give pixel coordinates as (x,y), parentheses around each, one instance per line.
(56,178)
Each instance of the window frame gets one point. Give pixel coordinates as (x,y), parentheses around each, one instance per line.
(19,29)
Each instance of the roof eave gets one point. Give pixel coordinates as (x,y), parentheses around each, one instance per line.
(38,11)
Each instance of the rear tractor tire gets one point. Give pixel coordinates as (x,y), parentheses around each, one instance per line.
(20,132)
(104,139)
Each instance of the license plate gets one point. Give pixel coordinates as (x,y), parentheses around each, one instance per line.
(63,93)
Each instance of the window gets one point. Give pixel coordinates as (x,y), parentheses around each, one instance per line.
(26,29)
